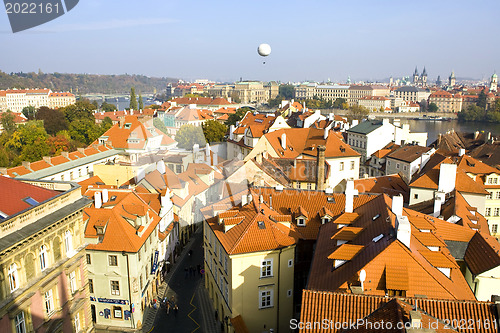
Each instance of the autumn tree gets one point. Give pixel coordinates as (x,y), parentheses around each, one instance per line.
(357,112)
(28,142)
(7,121)
(237,116)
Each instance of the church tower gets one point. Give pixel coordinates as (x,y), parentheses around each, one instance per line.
(424,78)
(452,80)
(415,76)
(494,83)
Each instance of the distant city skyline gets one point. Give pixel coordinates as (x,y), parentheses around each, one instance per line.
(218,40)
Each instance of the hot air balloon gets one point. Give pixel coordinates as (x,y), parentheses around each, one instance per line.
(264,50)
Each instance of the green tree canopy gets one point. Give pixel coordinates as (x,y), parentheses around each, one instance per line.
(237,116)
(287,91)
(214,131)
(133,99)
(339,103)
(106,124)
(481,100)
(141,103)
(108,107)
(28,142)
(82,109)
(433,107)
(188,135)
(7,121)
(29,112)
(84,130)
(53,120)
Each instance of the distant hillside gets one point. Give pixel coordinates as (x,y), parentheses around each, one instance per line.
(84,83)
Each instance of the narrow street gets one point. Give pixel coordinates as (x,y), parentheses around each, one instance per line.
(182,288)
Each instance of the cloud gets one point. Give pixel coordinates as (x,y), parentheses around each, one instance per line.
(111,24)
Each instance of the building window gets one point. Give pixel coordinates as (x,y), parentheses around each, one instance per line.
(225,264)
(352,165)
(266,268)
(404,167)
(89,260)
(494,228)
(388,162)
(13,277)
(20,323)
(43,257)
(301,222)
(489,196)
(77,323)
(72,282)
(68,243)
(113,260)
(91,286)
(496,212)
(497,195)
(341,166)
(397,165)
(415,196)
(49,302)
(115,288)
(265,299)
(309,186)
(117,312)
(488,212)
(290,263)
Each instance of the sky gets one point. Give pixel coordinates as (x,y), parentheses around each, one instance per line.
(217,40)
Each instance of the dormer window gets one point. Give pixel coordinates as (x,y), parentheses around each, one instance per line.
(325,219)
(128,125)
(301,221)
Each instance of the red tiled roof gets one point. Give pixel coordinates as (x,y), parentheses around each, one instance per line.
(13,194)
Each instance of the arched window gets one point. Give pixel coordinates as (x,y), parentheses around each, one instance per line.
(68,243)
(43,257)
(13,277)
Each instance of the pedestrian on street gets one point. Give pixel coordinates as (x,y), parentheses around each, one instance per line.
(168,307)
(176,308)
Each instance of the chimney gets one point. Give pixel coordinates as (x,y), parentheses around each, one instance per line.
(121,122)
(249,198)
(283,141)
(439,198)
(415,319)
(97,200)
(81,151)
(231,130)
(397,205)
(447,177)
(461,152)
(354,122)
(350,192)
(3,171)
(65,154)
(476,135)
(320,181)
(325,134)
(105,195)
(403,228)
(207,149)
(27,165)
(261,199)
(271,201)
(244,200)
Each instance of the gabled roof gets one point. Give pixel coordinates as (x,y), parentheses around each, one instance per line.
(482,254)
(408,153)
(471,165)
(390,185)
(120,233)
(378,251)
(305,141)
(259,122)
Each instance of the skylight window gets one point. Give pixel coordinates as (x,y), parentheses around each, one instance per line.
(330,199)
(3,215)
(261,224)
(30,201)
(376,217)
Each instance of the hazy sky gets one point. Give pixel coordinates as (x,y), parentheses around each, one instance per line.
(217,40)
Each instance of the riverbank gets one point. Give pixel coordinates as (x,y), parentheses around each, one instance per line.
(402,115)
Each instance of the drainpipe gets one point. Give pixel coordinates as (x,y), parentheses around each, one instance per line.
(278,294)
(129,293)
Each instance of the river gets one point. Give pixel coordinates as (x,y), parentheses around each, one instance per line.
(434,128)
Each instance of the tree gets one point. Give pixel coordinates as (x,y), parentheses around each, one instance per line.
(53,120)
(237,116)
(7,121)
(133,99)
(235,98)
(433,107)
(29,112)
(287,91)
(141,103)
(274,102)
(158,123)
(339,103)
(214,131)
(108,107)
(357,112)
(59,143)
(106,124)
(481,100)
(188,135)
(84,130)
(28,142)
(472,113)
(82,109)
